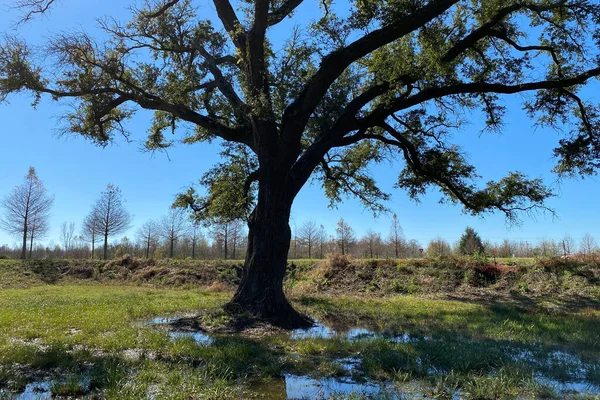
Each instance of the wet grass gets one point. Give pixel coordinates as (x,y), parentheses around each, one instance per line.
(92,339)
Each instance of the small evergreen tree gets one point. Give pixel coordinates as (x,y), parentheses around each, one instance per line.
(470,243)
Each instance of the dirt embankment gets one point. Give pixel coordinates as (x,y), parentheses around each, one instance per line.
(126,269)
(337,275)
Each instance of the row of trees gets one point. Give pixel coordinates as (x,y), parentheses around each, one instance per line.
(27,216)
(471,244)
(176,235)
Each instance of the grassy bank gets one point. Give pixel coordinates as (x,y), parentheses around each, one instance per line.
(573,279)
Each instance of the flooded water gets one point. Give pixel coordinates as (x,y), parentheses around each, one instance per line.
(304,387)
(42,389)
(321,331)
(291,386)
(36,391)
(198,337)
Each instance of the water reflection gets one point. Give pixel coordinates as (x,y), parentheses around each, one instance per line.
(304,387)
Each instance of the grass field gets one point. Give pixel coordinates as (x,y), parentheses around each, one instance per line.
(93,340)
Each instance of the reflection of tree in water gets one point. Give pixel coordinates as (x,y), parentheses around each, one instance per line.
(275,389)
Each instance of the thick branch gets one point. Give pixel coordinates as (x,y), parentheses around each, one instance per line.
(283,11)
(382,112)
(152,102)
(231,23)
(162,9)
(297,114)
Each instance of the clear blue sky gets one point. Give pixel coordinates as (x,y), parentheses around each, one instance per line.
(76,171)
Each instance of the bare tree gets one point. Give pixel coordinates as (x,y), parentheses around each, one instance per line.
(308,235)
(372,241)
(589,246)
(38,228)
(322,240)
(90,229)
(148,235)
(173,226)
(547,248)
(27,206)
(568,245)
(196,233)
(395,239)
(345,236)
(67,233)
(236,233)
(438,247)
(227,235)
(110,215)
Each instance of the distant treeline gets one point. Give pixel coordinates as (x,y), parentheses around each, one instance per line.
(25,214)
(309,240)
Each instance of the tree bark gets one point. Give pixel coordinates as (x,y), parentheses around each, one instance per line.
(31,243)
(260,291)
(24,248)
(105,246)
(226,240)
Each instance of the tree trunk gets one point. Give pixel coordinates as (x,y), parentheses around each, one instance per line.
(24,248)
(260,291)
(225,249)
(31,244)
(106,246)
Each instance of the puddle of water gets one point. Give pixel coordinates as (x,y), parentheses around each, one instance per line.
(318,331)
(303,387)
(360,333)
(41,390)
(198,337)
(577,386)
(36,391)
(349,364)
(161,321)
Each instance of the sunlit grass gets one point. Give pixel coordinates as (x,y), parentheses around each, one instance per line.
(73,331)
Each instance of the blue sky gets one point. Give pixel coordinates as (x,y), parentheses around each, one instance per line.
(76,171)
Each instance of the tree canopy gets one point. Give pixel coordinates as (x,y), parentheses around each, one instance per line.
(363,81)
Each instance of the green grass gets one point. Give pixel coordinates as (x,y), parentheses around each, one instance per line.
(74,333)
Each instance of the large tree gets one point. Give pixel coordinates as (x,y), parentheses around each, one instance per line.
(27,210)
(360,82)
